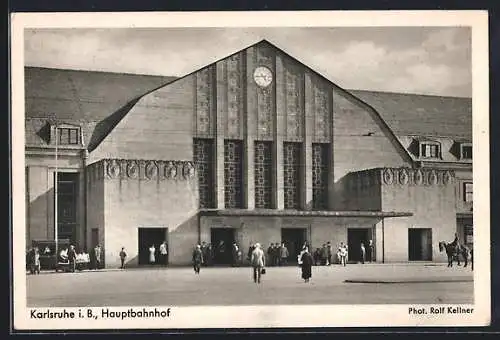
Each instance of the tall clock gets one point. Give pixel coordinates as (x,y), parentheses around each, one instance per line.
(263,76)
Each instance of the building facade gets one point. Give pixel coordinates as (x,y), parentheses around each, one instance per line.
(256,147)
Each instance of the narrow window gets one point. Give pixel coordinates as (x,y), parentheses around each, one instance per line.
(320,176)
(291,174)
(233,174)
(203,158)
(468,192)
(466,151)
(263,174)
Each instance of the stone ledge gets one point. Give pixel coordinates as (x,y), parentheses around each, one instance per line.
(320,213)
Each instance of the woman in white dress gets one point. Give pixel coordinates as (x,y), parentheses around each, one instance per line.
(152,251)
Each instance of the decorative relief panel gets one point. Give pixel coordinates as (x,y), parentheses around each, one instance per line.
(233,174)
(234,96)
(265,100)
(132,169)
(291,174)
(294,107)
(263,166)
(406,176)
(320,176)
(321,112)
(203,108)
(148,169)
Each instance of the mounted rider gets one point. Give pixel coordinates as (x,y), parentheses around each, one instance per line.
(456,244)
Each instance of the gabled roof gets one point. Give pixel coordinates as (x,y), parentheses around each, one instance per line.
(422,115)
(99,100)
(86,98)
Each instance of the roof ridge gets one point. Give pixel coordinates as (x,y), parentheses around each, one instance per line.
(99,72)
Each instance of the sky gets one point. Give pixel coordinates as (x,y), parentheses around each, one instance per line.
(422,60)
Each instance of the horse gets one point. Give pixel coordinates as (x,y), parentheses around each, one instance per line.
(451,252)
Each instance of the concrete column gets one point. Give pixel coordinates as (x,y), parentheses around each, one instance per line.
(249,133)
(378,240)
(279,131)
(306,188)
(221,101)
(39,213)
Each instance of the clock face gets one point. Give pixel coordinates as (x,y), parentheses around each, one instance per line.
(263,76)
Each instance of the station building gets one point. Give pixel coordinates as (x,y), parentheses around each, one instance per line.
(256,147)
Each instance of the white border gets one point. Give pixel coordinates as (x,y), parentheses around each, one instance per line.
(266,316)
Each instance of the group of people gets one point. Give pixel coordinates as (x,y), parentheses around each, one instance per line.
(258,262)
(324,256)
(67,256)
(156,256)
(367,252)
(91,260)
(277,254)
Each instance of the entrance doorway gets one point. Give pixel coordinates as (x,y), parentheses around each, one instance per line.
(419,244)
(222,240)
(354,238)
(294,239)
(149,237)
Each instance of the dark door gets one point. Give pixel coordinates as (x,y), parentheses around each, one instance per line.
(419,244)
(222,240)
(294,239)
(147,238)
(356,236)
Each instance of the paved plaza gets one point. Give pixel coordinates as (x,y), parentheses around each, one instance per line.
(354,284)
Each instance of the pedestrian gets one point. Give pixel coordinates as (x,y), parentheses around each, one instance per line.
(324,255)
(97,256)
(258,262)
(72,258)
(234,254)
(342,254)
(204,248)
(123,256)
(283,254)
(317,256)
(276,254)
(163,253)
(270,254)
(36,261)
(197,259)
(251,248)
(306,262)
(210,255)
(363,253)
(30,260)
(152,251)
(371,251)
(329,253)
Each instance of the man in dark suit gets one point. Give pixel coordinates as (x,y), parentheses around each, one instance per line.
(72,258)
(197,259)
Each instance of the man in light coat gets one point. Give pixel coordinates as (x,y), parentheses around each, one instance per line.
(258,262)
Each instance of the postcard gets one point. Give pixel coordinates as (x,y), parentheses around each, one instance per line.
(250,169)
